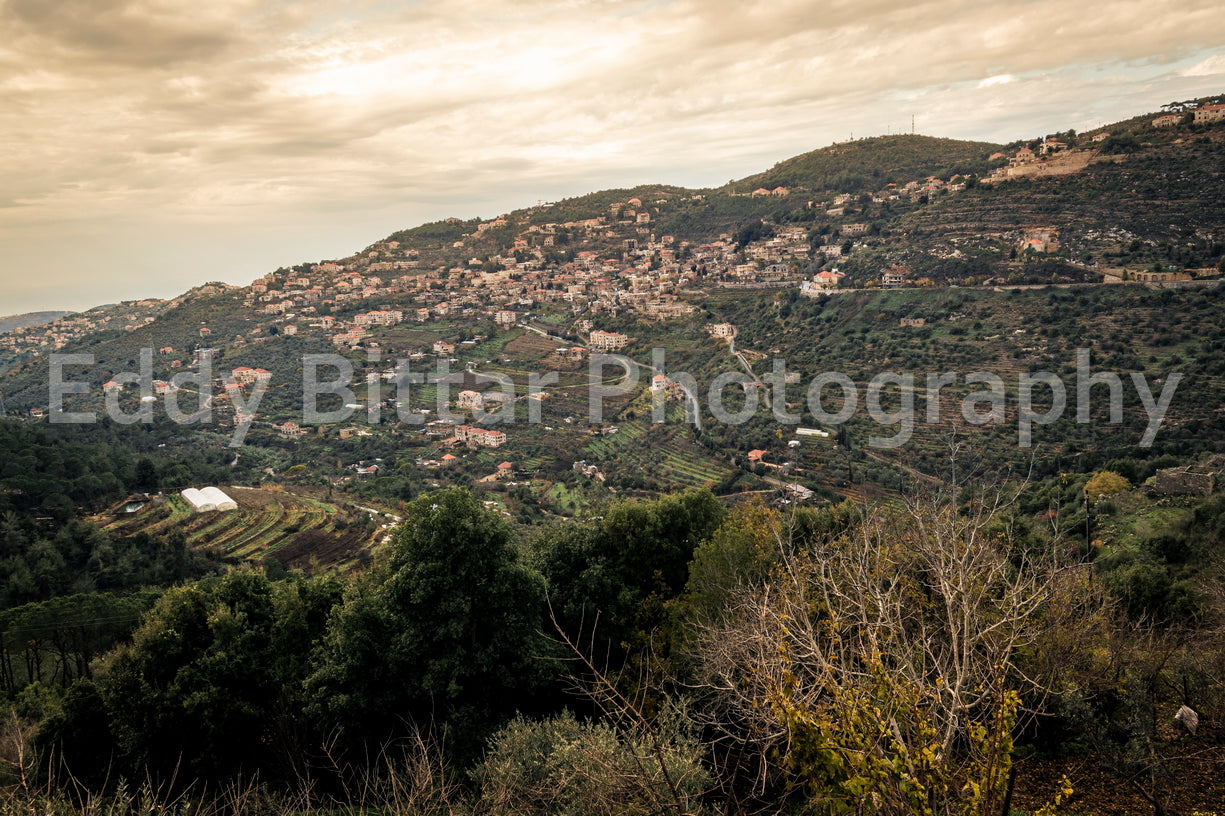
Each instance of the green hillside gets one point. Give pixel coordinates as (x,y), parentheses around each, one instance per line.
(940,533)
(872,163)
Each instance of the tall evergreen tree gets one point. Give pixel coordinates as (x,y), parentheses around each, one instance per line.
(445,637)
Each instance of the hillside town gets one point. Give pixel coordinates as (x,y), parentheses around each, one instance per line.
(617,264)
(50,337)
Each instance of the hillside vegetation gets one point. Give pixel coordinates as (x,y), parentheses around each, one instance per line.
(872,163)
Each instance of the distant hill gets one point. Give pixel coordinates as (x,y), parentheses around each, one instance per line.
(20,321)
(1144,200)
(870,164)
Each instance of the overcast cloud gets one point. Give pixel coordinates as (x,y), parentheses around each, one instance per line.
(147,146)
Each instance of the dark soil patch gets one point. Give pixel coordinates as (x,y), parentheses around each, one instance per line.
(316,547)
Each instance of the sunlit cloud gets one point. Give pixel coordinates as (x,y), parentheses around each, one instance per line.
(1212,66)
(998,79)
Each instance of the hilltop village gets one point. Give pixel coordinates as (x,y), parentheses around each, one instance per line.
(543,288)
(636,258)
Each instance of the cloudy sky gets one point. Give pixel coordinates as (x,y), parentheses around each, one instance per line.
(150,145)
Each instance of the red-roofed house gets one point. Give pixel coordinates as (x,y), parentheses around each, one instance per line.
(826,279)
(484,437)
(607,340)
(291,430)
(1209,113)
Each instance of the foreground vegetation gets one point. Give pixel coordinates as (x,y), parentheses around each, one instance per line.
(933,655)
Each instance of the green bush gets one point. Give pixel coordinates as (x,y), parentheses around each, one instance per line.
(565,767)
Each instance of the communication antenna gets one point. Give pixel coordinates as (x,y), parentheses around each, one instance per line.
(912,124)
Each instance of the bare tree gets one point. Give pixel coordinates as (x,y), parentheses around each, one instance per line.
(885,663)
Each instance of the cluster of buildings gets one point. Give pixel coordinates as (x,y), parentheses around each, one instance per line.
(280,293)
(1203,115)
(622,267)
(49,337)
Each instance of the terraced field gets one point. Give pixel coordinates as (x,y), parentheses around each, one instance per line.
(689,465)
(530,346)
(663,452)
(300,531)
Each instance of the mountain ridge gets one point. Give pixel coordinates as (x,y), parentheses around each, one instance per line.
(851,166)
(20,321)
(653,250)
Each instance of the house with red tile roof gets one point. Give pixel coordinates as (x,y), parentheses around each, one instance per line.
(1209,113)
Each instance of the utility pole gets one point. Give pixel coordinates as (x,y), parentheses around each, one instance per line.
(912,124)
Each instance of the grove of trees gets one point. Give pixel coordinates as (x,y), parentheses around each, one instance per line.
(669,656)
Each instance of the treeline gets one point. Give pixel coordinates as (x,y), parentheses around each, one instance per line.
(47,481)
(50,475)
(81,558)
(56,641)
(669,656)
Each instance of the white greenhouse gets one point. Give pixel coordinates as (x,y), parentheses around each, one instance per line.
(208,499)
(198,501)
(219,499)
